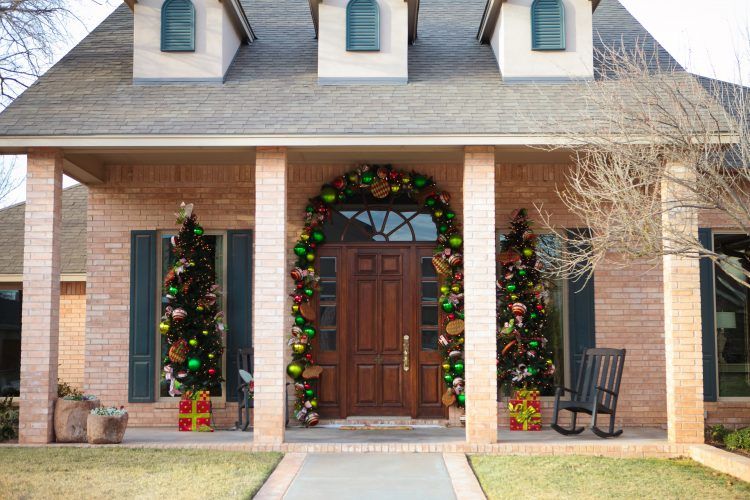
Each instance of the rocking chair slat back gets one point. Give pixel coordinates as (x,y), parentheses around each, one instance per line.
(600,368)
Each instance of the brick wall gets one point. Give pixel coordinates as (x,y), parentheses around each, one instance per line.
(146,197)
(72,332)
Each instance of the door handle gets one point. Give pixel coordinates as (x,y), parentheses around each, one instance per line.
(406,353)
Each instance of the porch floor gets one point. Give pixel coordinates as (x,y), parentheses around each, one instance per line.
(635,442)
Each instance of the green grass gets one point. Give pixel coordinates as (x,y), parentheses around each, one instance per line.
(596,477)
(131,473)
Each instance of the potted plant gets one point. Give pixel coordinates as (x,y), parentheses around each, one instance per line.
(107,425)
(71,412)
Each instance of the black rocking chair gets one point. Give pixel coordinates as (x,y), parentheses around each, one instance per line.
(244,379)
(597,388)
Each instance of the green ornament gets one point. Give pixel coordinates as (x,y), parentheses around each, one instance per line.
(300,249)
(211,355)
(430,202)
(205,332)
(309,292)
(194,364)
(527,252)
(367,177)
(534,344)
(349,192)
(193,342)
(309,393)
(448,378)
(328,194)
(444,289)
(450,214)
(455,241)
(318,236)
(511,287)
(533,315)
(458,367)
(420,181)
(442,228)
(299,320)
(310,257)
(461,398)
(163,327)
(309,331)
(173,290)
(522,272)
(199,308)
(309,209)
(447,307)
(198,231)
(532,370)
(294,370)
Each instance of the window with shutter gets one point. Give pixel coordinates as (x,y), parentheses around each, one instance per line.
(547,25)
(362,25)
(178,26)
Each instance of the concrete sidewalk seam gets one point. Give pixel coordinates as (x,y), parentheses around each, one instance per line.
(279,481)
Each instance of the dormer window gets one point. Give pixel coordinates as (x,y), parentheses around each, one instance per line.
(362,25)
(178,26)
(547,25)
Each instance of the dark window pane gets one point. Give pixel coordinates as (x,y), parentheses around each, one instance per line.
(327,340)
(429,316)
(10,343)
(328,267)
(328,290)
(428,271)
(327,315)
(429,291)
(429,340)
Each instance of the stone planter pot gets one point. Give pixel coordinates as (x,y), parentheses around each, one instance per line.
(104,429)
(70,419)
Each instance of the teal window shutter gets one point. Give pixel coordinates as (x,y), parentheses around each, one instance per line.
(362,25)
(547,25)
(178,26)
(710,392)
(238,302)
(141,366)
(581,319)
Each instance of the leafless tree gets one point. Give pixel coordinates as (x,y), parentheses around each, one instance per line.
(650,116)
(8,178)
(29,31)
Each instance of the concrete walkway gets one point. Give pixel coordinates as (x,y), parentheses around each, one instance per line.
(365,476)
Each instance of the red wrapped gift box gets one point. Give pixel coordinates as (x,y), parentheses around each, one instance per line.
(195,414)
(525,412)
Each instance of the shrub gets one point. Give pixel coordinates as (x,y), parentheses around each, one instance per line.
(110,411)
(716,433)
(67,391)
(738,440)
(8,420)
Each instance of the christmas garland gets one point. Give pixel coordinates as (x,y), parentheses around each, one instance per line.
(380,182)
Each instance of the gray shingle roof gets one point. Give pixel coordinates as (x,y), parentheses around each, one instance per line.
(454,84)
(73,234)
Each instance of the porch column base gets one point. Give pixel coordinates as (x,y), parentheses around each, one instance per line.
(682,321)
(269,306)
(479,294)
(41,296)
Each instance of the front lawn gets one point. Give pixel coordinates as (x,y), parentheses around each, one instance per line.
(595,477)
(131,473)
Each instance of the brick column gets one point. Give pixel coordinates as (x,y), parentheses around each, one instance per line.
(41,296)
(479,294)
(682,320)
(269,311)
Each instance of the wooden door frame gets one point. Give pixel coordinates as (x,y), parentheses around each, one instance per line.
(343,344)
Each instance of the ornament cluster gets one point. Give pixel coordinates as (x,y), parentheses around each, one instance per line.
(379,181)
(523,359)
(192,325)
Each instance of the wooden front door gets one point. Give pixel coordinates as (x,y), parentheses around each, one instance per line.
(371,296)
(379,328)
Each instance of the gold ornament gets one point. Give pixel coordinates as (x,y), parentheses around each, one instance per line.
(298,348)
(163,327)
(295,308)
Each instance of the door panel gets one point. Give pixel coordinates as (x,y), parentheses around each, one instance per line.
(366,327)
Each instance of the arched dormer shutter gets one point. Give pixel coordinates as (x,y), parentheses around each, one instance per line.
(178,26)
(363,25)
(547,25)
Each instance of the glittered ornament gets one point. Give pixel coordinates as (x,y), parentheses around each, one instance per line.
(528,252)
(534,344)
(173,290)
(163,327)
(194,364)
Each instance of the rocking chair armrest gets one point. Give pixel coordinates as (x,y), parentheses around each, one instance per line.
(562,389)
(600,388)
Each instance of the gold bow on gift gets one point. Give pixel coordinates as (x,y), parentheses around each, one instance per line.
(524,413)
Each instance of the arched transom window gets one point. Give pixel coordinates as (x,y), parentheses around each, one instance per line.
(396,218)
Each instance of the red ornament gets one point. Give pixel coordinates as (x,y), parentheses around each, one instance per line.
(338,183)
(211,371)
(458,276)
(312,245)
(308,356)
(451,316)
(539,307)
(299,285)
(307,386)
(298,299)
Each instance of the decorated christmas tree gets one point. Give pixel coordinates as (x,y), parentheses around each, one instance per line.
(523,359)
(192,324)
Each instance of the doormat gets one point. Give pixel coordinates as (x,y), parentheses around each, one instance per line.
(376,428)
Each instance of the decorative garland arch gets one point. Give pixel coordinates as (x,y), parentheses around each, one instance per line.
(380,182)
